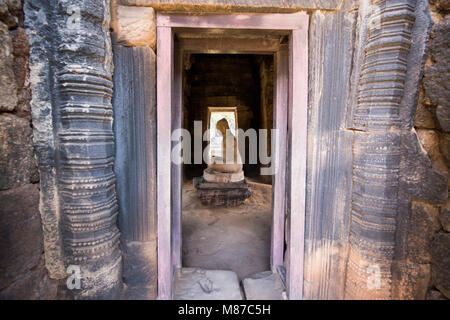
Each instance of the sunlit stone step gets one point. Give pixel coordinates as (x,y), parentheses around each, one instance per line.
(202,284)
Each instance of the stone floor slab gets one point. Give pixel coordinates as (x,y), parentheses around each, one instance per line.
(202,284)
(263,286)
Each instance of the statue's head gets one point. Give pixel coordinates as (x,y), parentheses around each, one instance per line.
(222,126)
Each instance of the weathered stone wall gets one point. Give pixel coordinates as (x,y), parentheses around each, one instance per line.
(429,237)
(396,213)
(22,271)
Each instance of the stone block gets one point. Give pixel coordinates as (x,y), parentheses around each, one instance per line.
(21,51)
(211,175)
(441,41)
(21,71)
(419,179)
(444,145)
(196,6)
(139,270)
(7,10)
(444,217)
(134,105)
(17,163)
(8,90)
(440,262)
(139,264)
(423,118)
(136,26)
(21,244)
(410,281)
(222,194)
(443,116)
(329,169)
(263,286)
(436,75)
(20,42)
(201,284)
(443,5)
(139,293)
(23,108)
(424,224)
(433,294)
(14,5)
(435,80)
(429,139)
(34,285)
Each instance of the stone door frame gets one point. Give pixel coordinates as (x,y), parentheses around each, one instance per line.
(290,115)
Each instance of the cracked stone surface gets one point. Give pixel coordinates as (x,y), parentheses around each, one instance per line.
(263,286)
(201,284)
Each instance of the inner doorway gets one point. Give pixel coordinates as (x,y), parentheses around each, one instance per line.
(238,88)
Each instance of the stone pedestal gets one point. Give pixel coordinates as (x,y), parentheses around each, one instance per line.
(210,175)
(222,189)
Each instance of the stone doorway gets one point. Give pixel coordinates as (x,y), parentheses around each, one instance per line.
(284,37)
(229,233)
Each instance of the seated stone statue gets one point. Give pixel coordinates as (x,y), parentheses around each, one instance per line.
(223,182)
(230,160)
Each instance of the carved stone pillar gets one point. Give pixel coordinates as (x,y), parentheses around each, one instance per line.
(74,52)
(376,151)
(389,168)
